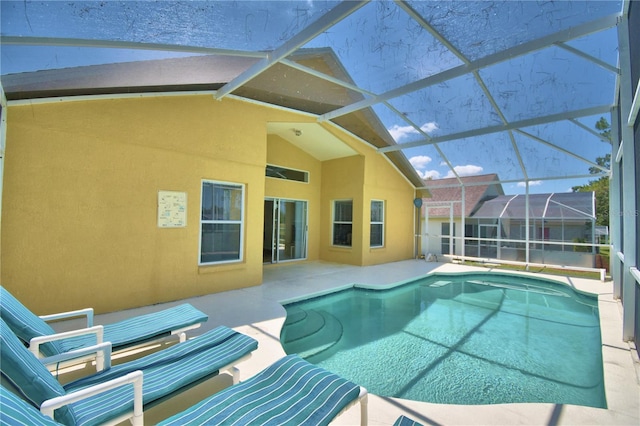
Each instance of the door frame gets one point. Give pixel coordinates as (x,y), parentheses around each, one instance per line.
(275,230)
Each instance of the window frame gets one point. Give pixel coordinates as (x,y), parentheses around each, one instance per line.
(377,223)
(334,222)
(305,173)
(241,222)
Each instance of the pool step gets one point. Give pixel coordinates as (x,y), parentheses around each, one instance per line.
(309,325)
(294,315)
(319,332)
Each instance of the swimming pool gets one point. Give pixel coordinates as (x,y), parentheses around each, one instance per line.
(474,338)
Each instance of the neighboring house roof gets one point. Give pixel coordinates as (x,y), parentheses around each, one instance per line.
(282,84)
(478,188)
(565,206)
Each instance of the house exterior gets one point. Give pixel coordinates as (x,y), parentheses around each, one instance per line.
(561,226)
(157,196)
(442,213)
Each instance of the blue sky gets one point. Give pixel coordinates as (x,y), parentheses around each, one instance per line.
(382,49)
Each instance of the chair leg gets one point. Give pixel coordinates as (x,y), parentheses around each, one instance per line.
(364,409)
(235,372)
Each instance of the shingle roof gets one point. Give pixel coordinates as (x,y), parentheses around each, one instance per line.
(561,206)
(281,85)
(478,188)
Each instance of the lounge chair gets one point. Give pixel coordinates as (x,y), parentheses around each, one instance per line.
(405,421)
(15,411)
(291,392)
(43,340)
(165,373)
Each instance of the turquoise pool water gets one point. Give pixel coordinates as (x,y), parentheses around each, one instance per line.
(481,338)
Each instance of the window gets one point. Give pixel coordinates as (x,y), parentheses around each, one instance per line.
(377,223)
(286,174)
(342,222)
(221,222)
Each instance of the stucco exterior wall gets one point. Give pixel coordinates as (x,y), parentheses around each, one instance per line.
(282,153)
(342,179)
(383,182)
(362,178)
(80,198)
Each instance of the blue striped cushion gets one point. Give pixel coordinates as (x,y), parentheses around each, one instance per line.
(165,372)
(14,411)
(141,328)
(405,421)
(26,373)
(187,361)
(24,323)
(291,391)
(101,408)
(124,333)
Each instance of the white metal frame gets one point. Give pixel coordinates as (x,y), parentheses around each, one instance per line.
(381,223)
(334,222)
(241,186)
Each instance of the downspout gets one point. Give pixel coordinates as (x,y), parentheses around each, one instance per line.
(526,224)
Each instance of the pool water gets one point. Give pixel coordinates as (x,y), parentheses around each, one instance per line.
(481,338)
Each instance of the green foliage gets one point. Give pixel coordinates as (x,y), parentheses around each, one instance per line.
(604,127)
(600,186)
(583,249)
(601,189)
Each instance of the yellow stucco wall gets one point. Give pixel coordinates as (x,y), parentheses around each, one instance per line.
(383,182)
(342,179)
(80,198)
(362,178)
(284,154)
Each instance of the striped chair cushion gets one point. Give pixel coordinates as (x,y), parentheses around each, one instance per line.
(26,373)
(141,328)
(15,411)
(185,364)
(24,323)
(124,333)
(208,352)
(96,411)
(291,391)
(405,421)
(165,372)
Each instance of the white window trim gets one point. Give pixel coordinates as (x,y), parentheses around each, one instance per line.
(334,221)
(378,223)
(241,222)
(308,174)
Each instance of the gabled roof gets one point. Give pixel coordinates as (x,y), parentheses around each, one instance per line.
(458,91)
(478,188)
(282,84)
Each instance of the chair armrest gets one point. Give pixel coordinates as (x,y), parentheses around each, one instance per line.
(87,312)
(102,351)
(34,344)
(49,406)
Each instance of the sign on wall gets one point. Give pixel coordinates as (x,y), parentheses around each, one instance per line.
(172,209)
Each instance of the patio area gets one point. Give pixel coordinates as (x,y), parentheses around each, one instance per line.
(257,312)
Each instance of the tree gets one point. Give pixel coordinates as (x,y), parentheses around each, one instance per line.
(600,186)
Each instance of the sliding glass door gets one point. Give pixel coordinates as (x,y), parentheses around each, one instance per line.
(285,230)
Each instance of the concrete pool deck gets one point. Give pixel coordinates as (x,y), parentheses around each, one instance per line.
(256,311)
